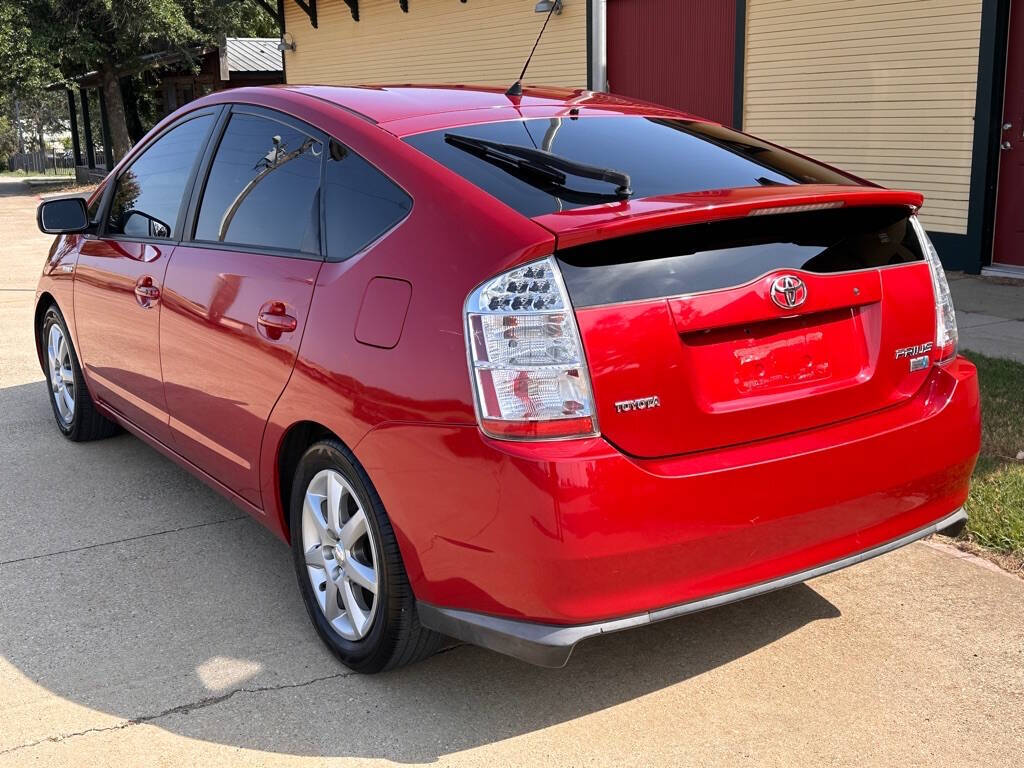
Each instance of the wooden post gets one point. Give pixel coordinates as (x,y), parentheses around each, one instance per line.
(90,151)
(76,144)
(108,148)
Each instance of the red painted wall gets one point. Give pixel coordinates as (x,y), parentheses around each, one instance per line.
(680,53)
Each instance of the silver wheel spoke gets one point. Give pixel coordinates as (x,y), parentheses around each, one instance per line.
(67,376)
(69,401)
(315,558)
(353,530)
(360,574)
(358,617)
(312,507)
(335,495)
(331,609)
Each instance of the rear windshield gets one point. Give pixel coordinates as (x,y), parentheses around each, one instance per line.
(662,157)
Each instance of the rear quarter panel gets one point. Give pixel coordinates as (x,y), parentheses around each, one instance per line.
(453,239)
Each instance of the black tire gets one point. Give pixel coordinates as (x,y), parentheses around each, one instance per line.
(86,423)
(395,637)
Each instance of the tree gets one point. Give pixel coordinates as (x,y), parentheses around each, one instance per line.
(110,37)
(8,140)
(24,76)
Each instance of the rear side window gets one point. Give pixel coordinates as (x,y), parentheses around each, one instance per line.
(147,199)
(661,156)
(263,188)
(361,203)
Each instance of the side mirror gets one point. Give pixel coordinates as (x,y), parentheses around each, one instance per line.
(64,216)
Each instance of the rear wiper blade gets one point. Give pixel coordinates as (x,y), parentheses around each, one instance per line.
(541,162)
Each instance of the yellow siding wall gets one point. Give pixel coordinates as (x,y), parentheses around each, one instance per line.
(884,90)
(438,41)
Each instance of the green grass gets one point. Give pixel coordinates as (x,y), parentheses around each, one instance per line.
(995,506)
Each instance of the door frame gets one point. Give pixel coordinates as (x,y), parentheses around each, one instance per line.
(995,40)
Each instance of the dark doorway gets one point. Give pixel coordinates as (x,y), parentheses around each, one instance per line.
(1008,242)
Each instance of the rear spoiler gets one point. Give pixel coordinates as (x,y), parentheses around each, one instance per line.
(599,222)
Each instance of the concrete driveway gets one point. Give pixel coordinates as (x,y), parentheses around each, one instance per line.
(145,621)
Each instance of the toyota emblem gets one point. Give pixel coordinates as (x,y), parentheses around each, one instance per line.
(788,291)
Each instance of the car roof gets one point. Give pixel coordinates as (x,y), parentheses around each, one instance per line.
(408,108)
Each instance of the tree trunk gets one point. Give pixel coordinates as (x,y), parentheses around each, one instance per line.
(119,138)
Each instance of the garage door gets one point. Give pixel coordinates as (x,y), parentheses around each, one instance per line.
(680,53)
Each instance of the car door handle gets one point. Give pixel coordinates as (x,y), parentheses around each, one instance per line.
(145,292)
(275,320)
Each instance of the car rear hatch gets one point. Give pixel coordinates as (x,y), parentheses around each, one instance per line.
(714,319)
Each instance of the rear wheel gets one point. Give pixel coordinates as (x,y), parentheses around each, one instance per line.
(73,408)
(348,566)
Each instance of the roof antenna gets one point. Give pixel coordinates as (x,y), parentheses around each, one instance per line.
(516,89)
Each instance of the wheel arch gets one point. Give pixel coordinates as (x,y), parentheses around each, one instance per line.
(43,303)
(296,439)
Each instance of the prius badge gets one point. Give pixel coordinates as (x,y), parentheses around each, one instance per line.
(788,291)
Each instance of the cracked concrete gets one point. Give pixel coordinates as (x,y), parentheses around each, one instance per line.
(183,709)
(144,622)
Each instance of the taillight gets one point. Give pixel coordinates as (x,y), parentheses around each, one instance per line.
(526,360)
(946,336)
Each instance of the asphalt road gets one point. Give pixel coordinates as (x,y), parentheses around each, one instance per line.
(145,621)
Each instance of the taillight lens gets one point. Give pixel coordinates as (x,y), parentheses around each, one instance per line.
(526,360)
(946,335)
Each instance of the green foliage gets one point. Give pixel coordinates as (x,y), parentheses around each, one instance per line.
(8,141)
(44,42)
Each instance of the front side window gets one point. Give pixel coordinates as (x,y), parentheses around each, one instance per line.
(264,187)
(147,199)
(361,203)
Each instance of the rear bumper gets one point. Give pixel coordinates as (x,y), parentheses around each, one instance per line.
(577,535)
(550,645)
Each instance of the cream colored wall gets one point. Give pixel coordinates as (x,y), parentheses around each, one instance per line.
(438,41)
(884,90)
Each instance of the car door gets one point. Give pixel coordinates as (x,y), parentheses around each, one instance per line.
(237,292)
(120,271)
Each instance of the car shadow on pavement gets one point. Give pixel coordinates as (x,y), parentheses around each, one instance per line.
(129,588)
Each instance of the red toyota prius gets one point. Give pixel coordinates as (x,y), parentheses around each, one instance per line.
(518,370)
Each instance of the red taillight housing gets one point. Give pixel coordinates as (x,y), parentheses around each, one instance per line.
(946,334)
(526,360)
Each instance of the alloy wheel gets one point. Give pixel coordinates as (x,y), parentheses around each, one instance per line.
(62,375)
(340,554)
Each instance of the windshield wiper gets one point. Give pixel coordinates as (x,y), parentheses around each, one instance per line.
(546,166)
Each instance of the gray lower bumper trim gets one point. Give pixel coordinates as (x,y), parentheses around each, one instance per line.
(549,645)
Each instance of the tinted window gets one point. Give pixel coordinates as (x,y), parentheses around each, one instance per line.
(148,195)
(263,187)
(722,254)
(662,157)
(361,203)
(93,211)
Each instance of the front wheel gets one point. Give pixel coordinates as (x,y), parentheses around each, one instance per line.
(76,415)
(348,565)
